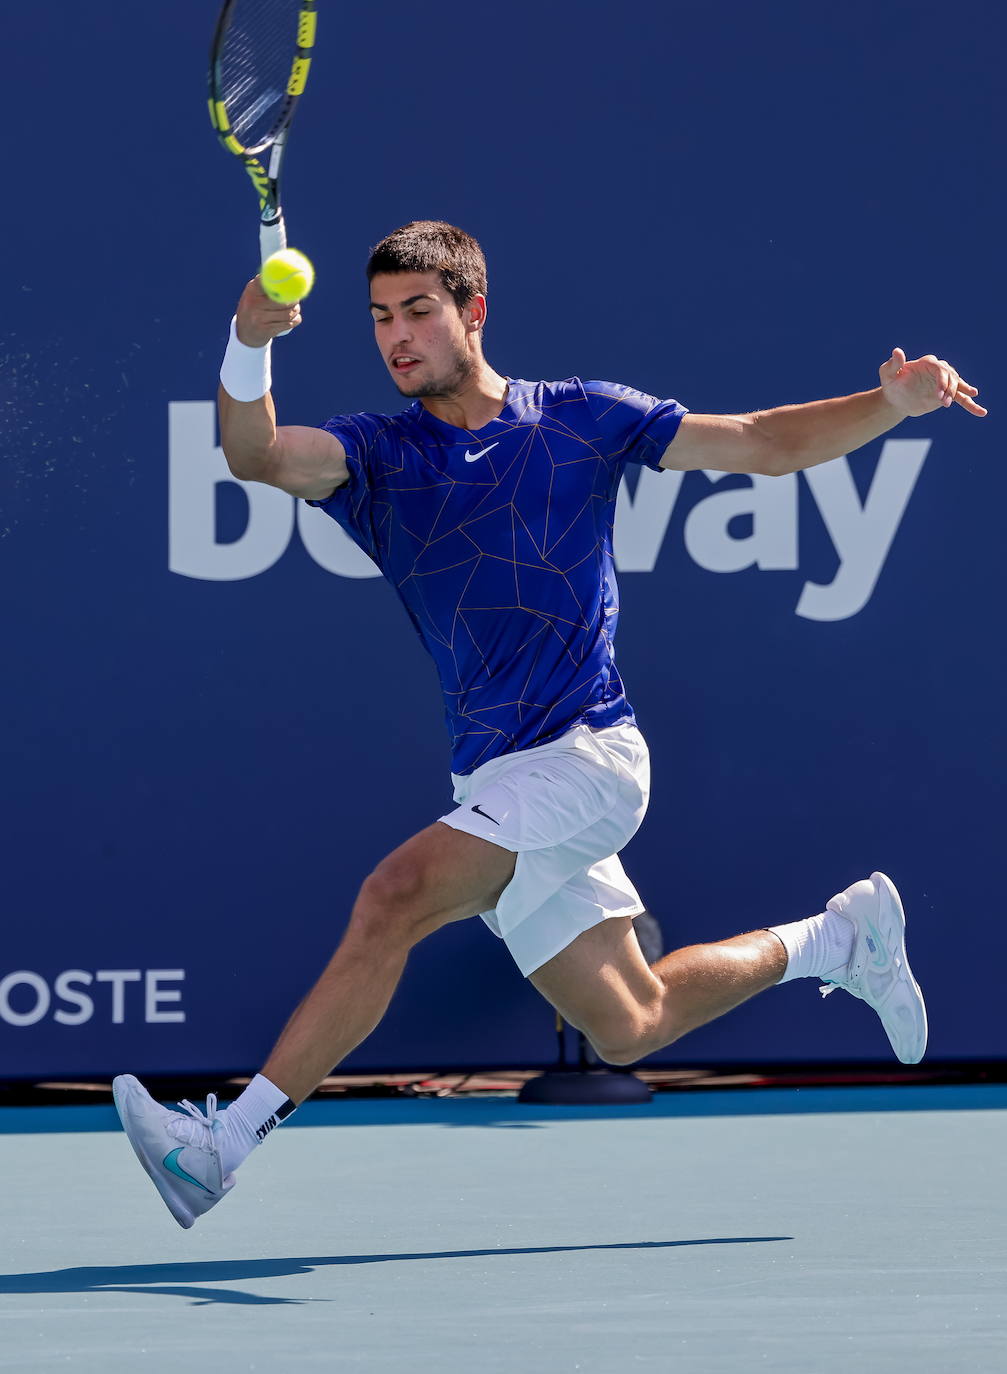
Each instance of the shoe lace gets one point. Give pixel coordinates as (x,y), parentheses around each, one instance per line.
(194,1128)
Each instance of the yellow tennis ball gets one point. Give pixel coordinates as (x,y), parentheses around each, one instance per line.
(287,276)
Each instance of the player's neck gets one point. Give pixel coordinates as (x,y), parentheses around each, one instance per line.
(475,404)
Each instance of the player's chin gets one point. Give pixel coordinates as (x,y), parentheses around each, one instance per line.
(403,382)
(416,389)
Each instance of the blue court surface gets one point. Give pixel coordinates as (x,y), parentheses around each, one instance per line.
(781,1229)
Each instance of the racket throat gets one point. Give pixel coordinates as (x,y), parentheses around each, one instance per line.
(272,233)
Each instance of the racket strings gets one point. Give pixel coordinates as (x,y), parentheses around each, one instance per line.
(253,67)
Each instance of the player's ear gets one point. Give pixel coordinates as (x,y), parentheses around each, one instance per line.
(474,314)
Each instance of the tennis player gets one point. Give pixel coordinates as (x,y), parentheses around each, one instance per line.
(488,504)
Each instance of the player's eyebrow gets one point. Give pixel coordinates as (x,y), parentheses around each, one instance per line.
(423,296)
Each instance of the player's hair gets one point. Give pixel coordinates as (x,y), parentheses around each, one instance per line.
(430,245)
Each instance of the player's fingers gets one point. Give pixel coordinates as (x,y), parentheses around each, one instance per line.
(933,377)
(289,320)
(271,314)
(967,403)
(890,367)
(947,380)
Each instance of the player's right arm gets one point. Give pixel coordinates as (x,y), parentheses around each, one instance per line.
(303,461)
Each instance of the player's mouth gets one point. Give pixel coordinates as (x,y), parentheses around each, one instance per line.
(403,363)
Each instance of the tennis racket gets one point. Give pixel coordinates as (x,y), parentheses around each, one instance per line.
(259,67)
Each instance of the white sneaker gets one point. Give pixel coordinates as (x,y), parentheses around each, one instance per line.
(878,972)
(177,1149)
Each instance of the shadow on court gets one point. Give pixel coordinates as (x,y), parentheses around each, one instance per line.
(174,1280)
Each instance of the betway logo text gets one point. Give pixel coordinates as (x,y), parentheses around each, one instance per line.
(861,531)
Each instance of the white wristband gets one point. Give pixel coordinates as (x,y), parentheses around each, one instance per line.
(245,372)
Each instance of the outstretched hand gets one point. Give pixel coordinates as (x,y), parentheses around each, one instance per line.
(925,384)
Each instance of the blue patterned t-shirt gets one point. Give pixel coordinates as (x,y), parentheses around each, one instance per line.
(499,543)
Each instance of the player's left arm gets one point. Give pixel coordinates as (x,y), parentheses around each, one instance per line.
(773,442)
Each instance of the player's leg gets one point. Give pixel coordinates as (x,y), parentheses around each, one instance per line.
(602,985)
(439,876)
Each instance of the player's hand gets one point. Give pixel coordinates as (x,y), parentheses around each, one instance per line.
(260,319)
(925,384)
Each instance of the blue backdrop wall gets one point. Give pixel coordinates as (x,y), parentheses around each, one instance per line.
(205,743)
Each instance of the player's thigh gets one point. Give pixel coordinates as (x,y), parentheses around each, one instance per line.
(601,982)
(437,876)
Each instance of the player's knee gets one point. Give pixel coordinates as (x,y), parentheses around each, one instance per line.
(621,1043)
(393,899)
(630,1035)
(630,1049)
(628,1053)
(393,888)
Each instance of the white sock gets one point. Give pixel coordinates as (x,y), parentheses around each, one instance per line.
(248,1120)
(820,947)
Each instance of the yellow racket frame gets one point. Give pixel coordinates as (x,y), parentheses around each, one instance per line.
(265,180)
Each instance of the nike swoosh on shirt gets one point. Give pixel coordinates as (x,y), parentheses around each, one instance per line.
(471,457)
(480,812)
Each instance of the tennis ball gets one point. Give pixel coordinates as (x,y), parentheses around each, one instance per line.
(287,276)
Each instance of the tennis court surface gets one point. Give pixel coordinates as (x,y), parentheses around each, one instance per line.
(782,1229)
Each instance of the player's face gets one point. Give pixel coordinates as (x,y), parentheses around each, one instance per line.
(422,335)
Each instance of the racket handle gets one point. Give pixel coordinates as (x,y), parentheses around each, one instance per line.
(272,237)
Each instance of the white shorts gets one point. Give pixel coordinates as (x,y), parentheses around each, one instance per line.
(565,809)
